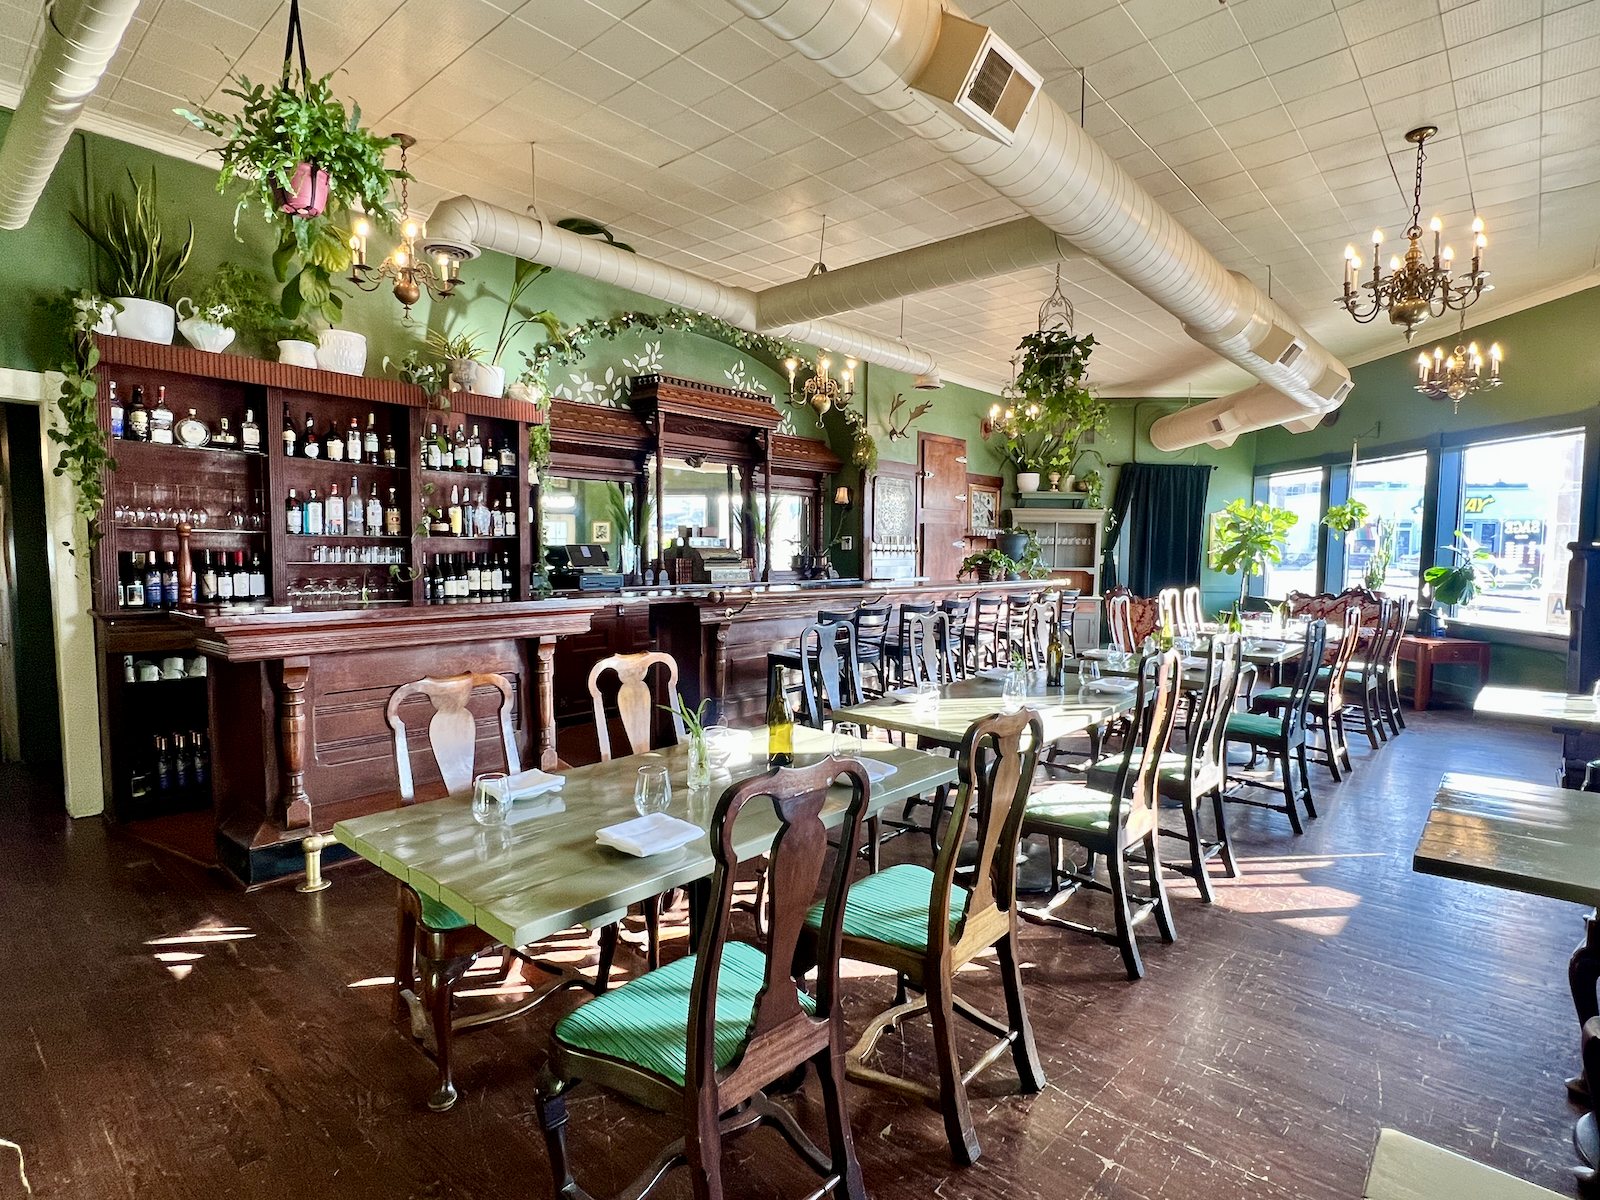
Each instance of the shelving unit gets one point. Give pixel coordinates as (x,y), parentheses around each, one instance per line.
(1069,542)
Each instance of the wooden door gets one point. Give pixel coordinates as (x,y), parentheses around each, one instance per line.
(941,505)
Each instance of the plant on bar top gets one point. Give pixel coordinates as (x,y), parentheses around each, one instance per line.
(308,163)
(252,312)
(1458,584)
(987,565)
(1248,537)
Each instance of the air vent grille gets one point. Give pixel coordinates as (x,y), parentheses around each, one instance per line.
(978,79)
(1287,358)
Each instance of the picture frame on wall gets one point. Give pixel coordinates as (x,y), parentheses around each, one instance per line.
(983,510)
(600,532)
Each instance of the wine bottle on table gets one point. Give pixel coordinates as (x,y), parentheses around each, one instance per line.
(1056,659)
(780,727)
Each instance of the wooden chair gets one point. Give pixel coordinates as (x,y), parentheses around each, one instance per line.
(828,680)
(1390,694)
(434,941)
(986,632)
(1037,621)
(1327,706)
(957,613)
(928,649)
(1119,619)
(1283,736)
(872,628)
(1194,616)
(1361,685)
(636,707)
(898,644)
(1112,824)
(1066,604)
(927,925)
(1169,602)
(703,1037)
(1196,775)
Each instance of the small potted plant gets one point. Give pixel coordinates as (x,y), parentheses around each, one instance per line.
(252,311)
(139,271)
(1052,409)
(1458,584)
(206,328)
(489,378)
(461,353)
(1011,542)
(987,565)
(1248,537)
(699,774)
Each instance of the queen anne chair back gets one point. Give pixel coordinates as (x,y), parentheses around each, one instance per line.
(635,700)
(452,731)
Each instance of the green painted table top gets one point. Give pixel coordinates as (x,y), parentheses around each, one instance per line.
(544,872)
(946,720)
(1406,1168)
(1522,837)
(1531,706)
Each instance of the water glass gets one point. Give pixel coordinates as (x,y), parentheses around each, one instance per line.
(652,791)
(846,742)
(1014,692)
(491,799)
(1088,671)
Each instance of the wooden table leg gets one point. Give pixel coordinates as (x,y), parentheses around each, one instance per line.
(1422,688)
(1586,1136)
(292,735)
(547,704)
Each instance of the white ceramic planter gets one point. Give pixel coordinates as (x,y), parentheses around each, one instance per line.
(107,323)
(145,320)
(1027,481)
(464,374)
(206,335)
(342,350)
(297,354)
(488,381)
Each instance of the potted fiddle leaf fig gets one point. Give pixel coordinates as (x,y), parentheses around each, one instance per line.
(1248,537)
(1458,584)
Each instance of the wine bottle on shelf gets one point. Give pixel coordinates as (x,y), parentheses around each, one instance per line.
(391,516)
(311,446)
(225,436)
(353,442)
(241,577)
(250,432)
(474,452)
(454,514)
(388,450)
(458,448)
(133,585)
(200,757)
(258,577)
(152,580)
(480,516)
(497,520)
(333,445)
(432,452)
(136,424)
(180,761)
(333,513)
(369,441)
(169,580)
(511,516)
(289,435)
(206,579)
(224,579)
(163,765)
(295,514)
(374,514)
(439,525)
(474,577)
(508,457)
(161,418)
(116,410)
(313,519)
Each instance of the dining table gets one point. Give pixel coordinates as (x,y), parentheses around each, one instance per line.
(542,871)
(1576,712)
(1537,839)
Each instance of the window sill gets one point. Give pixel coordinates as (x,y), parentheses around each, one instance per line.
(1499,635)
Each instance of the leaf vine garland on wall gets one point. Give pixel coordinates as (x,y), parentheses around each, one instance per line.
(83,457)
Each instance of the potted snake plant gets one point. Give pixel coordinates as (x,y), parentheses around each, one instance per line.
(139,268)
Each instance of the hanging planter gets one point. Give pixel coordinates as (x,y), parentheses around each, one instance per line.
(307,194)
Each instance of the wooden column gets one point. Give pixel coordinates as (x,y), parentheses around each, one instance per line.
(292,732)
(547,704)
(766,526)
(661,479)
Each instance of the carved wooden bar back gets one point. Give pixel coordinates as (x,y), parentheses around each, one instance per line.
(452,733)
(635,701)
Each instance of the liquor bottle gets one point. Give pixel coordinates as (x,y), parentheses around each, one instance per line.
(480,516)
(433,451)
(289,436)
(128,673)
(391,516)
(374,514)
(1055,659)
(258,577)
(454,514)
(295,514)
(474,577)
(369,441)
(313,521)
(498,576)
(780,729)
(353,441)
(433,590)
(508,457)
(224,578)
(152,581)
(192,431)
(491,458)
(169,580)
(439,525)
(163,765)
(474,452)
(225,436)
(241,577)
(206,578)
(333,445)
(311,446)
(250,432)
(511,517)
(161,418)
(116,411)
(388,450)
(136,425)
(200,758)
(333,513)
(507,575)
(135,588)
(458,448)
(180,761)
(497,520)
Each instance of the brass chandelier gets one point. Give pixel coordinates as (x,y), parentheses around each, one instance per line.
(1415,288)
(1462,373)
(411,275)
(823,390)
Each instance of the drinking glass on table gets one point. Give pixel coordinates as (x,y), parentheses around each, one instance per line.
(491,798)
(846,742)
(1088,671)
(652,790)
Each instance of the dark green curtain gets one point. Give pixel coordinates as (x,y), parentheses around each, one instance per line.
(1161,510)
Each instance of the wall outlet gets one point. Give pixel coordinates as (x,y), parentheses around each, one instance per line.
(847,543)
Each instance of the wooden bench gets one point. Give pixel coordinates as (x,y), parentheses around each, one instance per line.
(1407,1168)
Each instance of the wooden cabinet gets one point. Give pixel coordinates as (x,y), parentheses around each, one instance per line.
(1069,542)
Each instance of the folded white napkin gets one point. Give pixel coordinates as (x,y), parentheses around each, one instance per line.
(654,834)
(532,783)
(907,695)
(876,771)
(1110,686)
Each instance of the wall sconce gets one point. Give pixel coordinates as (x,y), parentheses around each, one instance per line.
(842,497)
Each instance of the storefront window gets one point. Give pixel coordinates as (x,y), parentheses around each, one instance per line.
(1393,490)
(1301,493)
(1520,503)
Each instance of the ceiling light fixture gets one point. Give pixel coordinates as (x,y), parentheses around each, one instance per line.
(823,391)
(1415,289)
(1460,374)
(411,275)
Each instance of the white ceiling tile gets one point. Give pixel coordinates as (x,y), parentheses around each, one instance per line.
(1221,74)
(1313,40)
(1485,18)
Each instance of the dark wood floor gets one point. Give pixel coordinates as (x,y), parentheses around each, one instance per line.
(165,1037)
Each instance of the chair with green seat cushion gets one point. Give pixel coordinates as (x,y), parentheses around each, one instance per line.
(704,1037)
(1282,736)
(1326,707)
(925,926)
(1112,823)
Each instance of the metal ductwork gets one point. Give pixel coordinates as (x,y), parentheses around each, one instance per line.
(1058,174)
(463,227)
(982,254)
(80,38)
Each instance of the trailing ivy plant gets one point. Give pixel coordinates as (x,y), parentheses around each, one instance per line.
(1342,518)
(83,456)
(570,349)
(1051,408)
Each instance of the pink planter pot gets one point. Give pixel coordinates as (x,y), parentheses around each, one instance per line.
(308,195)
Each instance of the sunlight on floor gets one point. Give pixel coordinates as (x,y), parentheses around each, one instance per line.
(181,963)
(1277,884)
